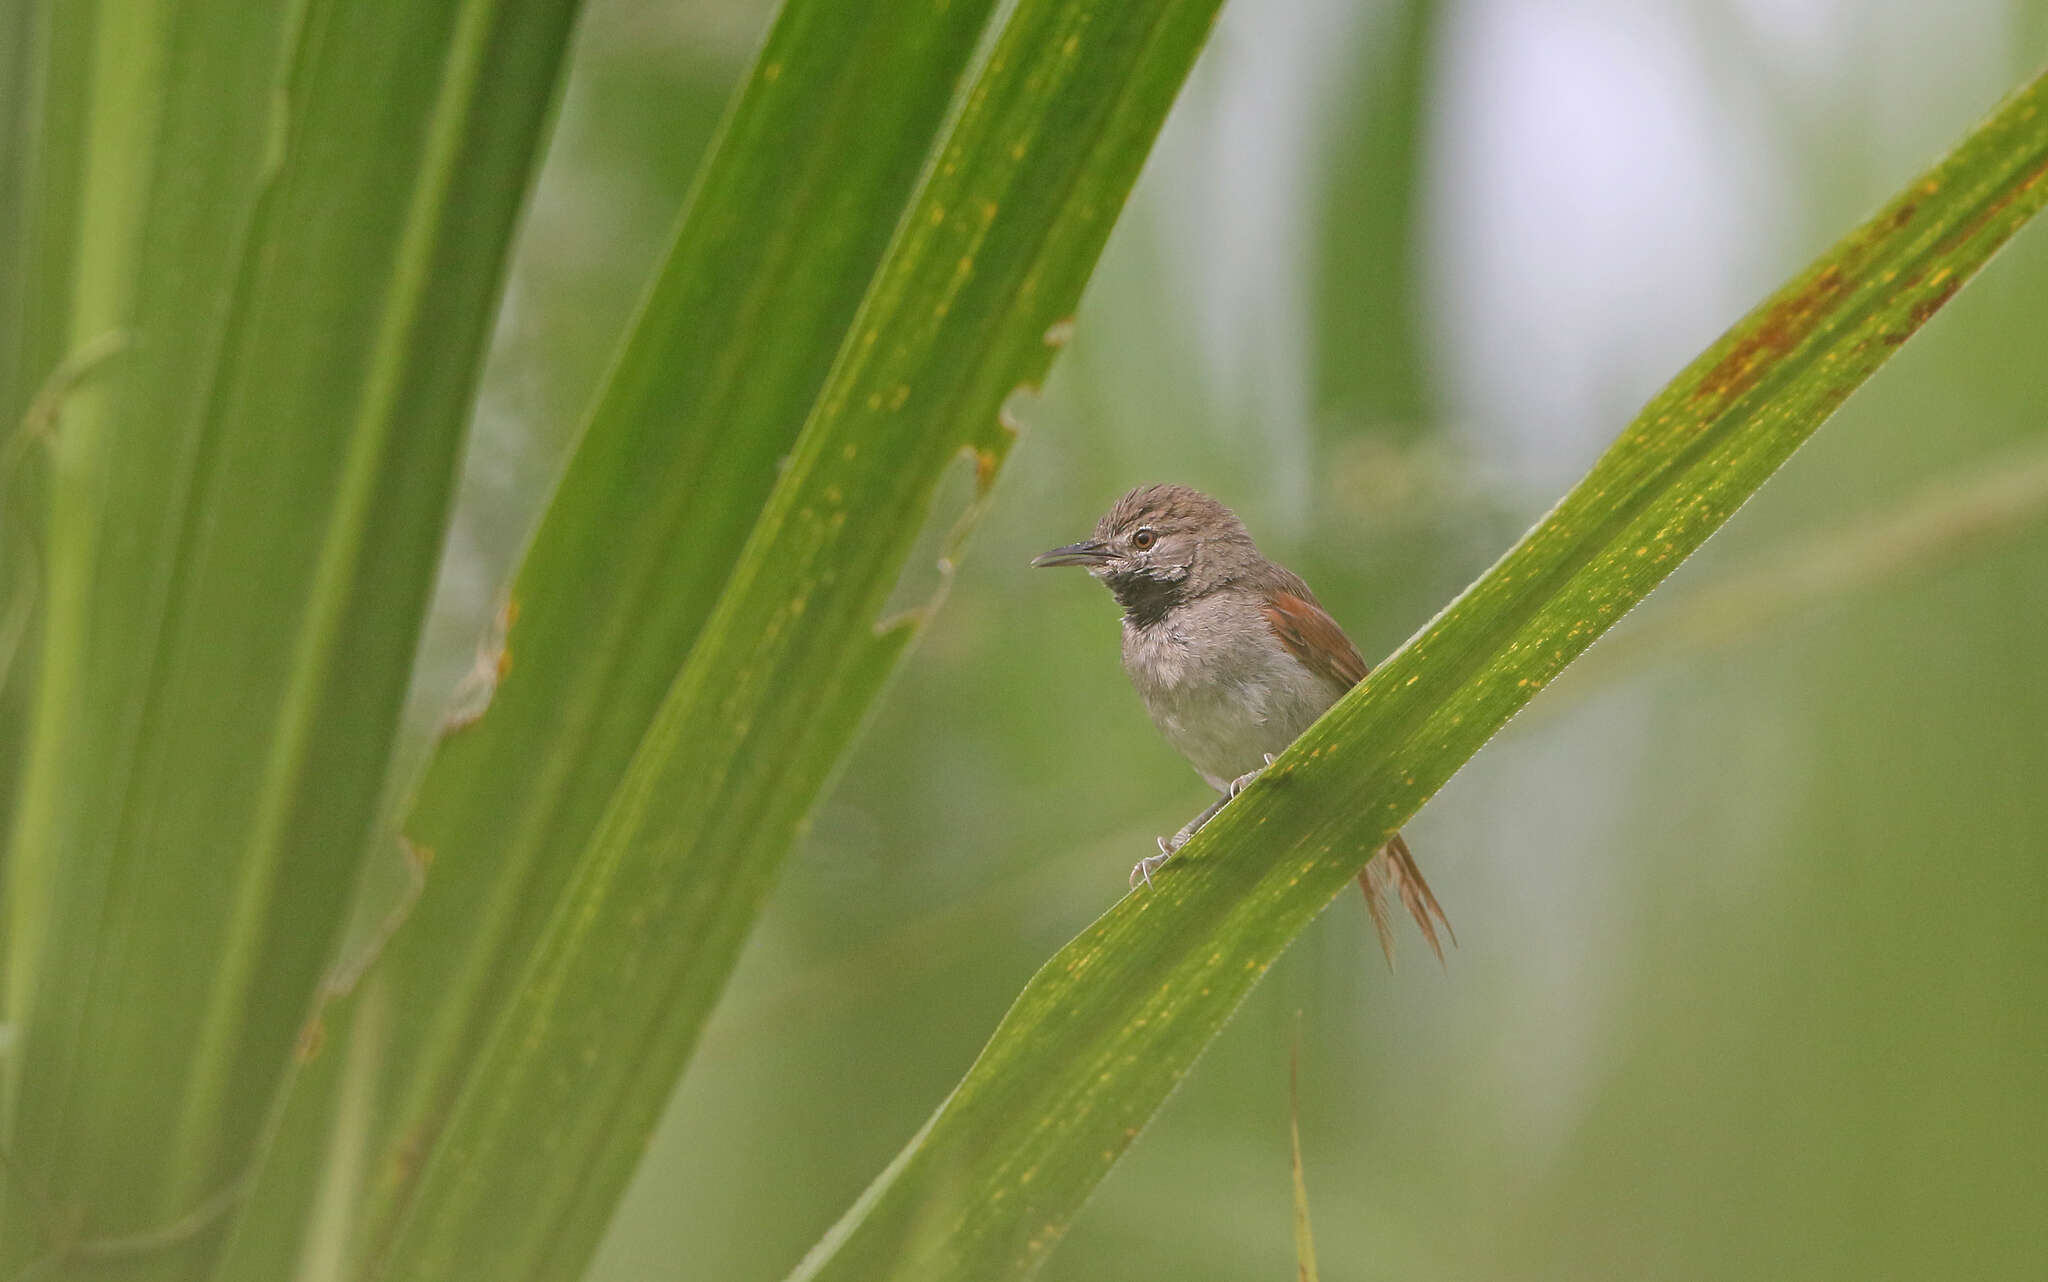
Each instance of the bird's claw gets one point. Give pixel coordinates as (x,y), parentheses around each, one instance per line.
(1144,868)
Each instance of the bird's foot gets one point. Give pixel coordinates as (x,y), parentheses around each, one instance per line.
(1244,780)
(1144,868)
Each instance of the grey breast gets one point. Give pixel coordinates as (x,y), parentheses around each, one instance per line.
(1220,688)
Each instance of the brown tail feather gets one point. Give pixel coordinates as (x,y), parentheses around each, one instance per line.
(1394,867)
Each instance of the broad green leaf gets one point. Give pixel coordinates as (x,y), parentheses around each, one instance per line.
(246,507)
(969,302)
(776,246)
(1101,1035)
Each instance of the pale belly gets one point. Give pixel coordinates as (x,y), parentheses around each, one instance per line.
(1226,701)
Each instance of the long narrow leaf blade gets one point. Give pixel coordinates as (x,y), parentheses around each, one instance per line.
(1104,1031)
(1371,365)
(992,254)
(779,241)
(247,508)
(19,90)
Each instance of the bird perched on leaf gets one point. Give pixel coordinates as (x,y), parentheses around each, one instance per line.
(1234,658)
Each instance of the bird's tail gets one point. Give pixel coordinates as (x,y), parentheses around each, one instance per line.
(1394,868)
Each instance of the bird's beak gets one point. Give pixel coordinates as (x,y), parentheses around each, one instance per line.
(1090,553)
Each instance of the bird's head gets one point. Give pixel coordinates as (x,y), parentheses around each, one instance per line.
(1161,545)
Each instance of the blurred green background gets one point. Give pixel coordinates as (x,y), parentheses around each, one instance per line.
(1752,969)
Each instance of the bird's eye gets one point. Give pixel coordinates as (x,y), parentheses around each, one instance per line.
(1143,539)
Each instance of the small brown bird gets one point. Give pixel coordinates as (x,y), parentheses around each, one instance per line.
(1234,658)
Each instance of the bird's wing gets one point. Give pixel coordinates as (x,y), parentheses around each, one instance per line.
(1313,637)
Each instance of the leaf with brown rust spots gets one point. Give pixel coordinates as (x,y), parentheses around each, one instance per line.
(1787,324)
(1105,1031)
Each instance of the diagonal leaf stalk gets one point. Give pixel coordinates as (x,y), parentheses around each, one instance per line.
(1103,1033)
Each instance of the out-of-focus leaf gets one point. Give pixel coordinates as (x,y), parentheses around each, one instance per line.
(31,120)
(1370,360)
(970,301)
(1101,1035)
(17,95)
(246,505)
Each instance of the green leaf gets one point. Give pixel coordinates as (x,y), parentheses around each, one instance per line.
(1371,363)
(1101,1035)
(37,213)
(246,508)
(18,23)
(984,268)
(779,240)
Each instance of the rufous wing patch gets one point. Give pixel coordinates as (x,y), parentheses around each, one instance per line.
(1313,637)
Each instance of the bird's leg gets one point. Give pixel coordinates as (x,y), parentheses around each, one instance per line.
(1144,868)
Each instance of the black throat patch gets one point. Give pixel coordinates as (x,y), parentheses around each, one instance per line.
(1146,599)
